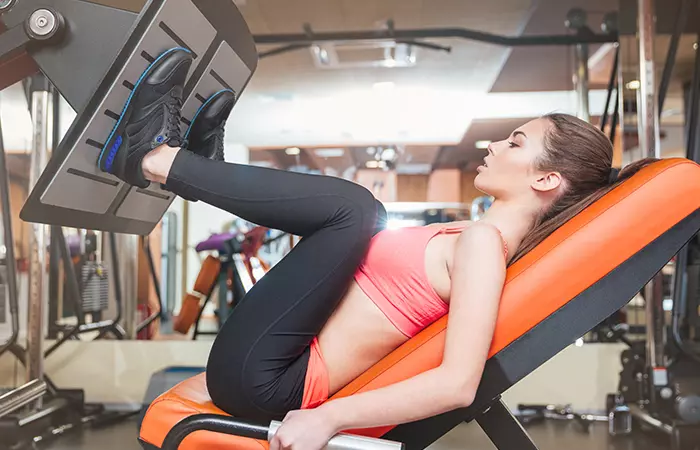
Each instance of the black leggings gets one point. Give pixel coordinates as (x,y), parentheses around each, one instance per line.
(258,362)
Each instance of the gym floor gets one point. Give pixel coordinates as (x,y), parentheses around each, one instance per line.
(549,435)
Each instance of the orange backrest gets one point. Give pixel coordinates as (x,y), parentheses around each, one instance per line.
(568,262)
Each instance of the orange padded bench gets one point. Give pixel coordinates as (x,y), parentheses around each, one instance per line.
(580,275)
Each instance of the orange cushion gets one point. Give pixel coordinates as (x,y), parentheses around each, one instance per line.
(573,258)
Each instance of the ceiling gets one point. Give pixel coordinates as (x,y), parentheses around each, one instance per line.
(429,114)
(424,110)
(460,105)
(290,101)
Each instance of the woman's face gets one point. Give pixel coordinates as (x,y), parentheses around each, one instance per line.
(509,169)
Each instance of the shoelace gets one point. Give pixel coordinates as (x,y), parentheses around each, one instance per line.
(173,125)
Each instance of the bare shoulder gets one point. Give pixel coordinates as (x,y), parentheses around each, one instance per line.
(482,236)
(481,229)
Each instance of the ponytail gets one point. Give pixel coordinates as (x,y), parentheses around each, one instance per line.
(569,205)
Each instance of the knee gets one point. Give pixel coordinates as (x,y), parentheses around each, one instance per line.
(381,221)
(360,208)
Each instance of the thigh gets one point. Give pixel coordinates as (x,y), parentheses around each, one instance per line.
(259,357)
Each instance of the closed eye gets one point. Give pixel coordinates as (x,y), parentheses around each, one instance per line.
(512,144)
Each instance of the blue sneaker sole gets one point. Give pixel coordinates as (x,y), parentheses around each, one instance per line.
(114,146)
(209,100)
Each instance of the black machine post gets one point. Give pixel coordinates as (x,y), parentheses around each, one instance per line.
(503,428)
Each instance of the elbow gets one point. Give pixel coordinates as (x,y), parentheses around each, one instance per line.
(464,397)
(461,395)
(459,390)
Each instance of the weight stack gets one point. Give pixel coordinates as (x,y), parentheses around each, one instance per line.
(95,283)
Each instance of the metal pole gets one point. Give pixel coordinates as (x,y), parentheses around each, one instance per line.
(681,17)
(648,122)
(434,33)
(171,261)
(21,396)
(9,241)
(611,87)
(576,20)
(581,82)
(184,247)
(654,296)
(648,117)
(125,276)
(37,236)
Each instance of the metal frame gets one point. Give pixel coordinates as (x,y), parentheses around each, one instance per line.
(225,56)
(58,58)
(230,260)
(156,284)
(295,41)
(8,237)
(247,429)
(504,430)
(38,233)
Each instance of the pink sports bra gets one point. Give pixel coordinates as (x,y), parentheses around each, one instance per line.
(393,276)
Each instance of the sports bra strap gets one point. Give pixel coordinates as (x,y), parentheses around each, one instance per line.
(449,229)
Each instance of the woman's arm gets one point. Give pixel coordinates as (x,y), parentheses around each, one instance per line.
(477,283)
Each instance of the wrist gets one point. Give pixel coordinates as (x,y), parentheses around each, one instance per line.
(333,415)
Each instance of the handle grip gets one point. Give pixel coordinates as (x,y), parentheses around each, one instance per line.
(344,441)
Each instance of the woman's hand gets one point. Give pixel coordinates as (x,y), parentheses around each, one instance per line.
(307,429)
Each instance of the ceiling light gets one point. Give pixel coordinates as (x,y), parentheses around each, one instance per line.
(633,85)
(329,152)
(388,154)
(293,151)
(483,145)
(321,55)
(375,164)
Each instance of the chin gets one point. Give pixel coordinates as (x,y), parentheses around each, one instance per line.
(480,184)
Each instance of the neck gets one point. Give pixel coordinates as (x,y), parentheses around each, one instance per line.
(513,219)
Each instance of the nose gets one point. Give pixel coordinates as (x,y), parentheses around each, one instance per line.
(490,149)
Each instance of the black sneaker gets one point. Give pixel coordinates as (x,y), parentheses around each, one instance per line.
(151,117)
(205,136)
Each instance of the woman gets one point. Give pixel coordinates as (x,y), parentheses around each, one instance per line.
(347,295)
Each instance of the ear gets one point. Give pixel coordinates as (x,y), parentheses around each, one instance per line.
(547,182)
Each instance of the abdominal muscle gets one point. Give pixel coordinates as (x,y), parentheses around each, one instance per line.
(358,334)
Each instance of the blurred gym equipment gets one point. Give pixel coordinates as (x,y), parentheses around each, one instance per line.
(94,68)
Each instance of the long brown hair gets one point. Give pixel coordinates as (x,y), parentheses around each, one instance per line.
(583,155)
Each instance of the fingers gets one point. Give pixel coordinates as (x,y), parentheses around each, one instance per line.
(275,443)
